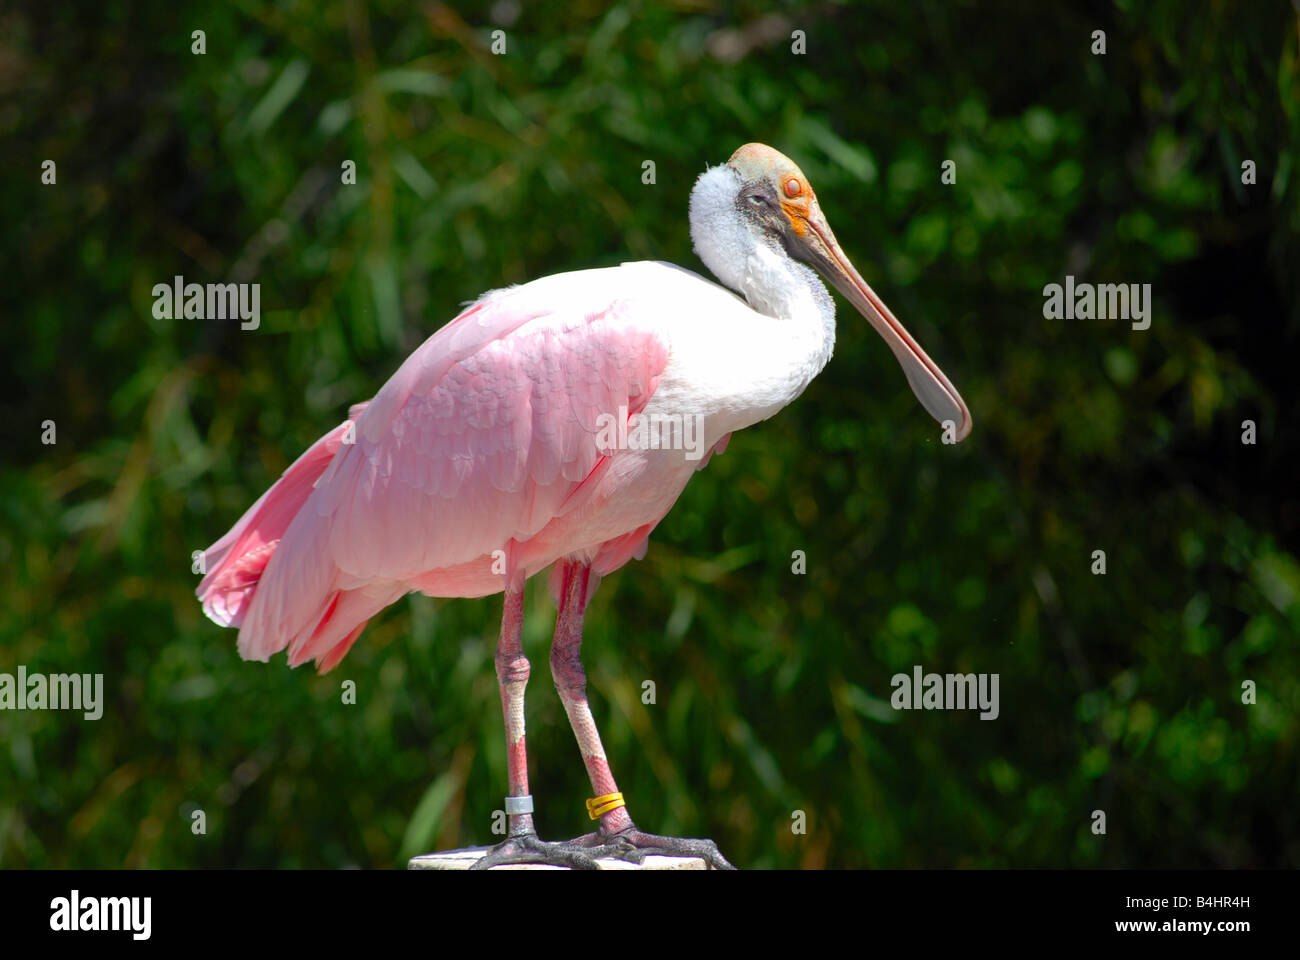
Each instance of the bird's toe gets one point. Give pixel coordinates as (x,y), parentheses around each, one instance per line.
(527,848)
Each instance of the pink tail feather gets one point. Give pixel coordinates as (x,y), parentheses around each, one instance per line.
(237,561)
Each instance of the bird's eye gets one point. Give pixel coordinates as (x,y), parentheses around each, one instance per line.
(793,188)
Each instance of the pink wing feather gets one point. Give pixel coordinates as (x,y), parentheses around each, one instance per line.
(479,439)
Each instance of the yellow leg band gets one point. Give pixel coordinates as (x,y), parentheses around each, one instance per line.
(598,806)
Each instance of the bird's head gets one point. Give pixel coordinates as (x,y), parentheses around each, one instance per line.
(760,196)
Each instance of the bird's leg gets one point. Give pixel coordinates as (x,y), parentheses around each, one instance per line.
(571,683)
(513,670)
(522,844)
(617,835)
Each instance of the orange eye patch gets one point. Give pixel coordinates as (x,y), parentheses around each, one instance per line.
(793,188)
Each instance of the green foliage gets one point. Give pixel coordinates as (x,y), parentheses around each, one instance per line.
(1119,692)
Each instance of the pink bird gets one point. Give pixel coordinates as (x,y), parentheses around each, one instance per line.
(553,425)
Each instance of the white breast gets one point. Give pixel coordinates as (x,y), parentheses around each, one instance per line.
(730,363)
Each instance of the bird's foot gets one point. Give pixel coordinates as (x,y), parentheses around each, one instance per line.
(633,845)
(527,848)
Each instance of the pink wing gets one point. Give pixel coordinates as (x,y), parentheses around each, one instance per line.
(479,439)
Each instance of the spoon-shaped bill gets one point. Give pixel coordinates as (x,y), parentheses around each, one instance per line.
(935,391)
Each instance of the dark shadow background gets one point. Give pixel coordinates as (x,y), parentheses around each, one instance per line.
(1120,693)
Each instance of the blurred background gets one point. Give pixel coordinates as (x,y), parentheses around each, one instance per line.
(1120,692)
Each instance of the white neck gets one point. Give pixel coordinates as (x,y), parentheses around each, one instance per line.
(762,272)
(739,359)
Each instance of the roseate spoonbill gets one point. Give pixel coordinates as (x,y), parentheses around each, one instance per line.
(482,461)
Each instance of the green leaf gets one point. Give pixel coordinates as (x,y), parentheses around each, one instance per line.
(281,94)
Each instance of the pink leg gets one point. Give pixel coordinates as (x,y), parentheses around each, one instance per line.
(617,835)
(571,684)
(522,844)
(512,676)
